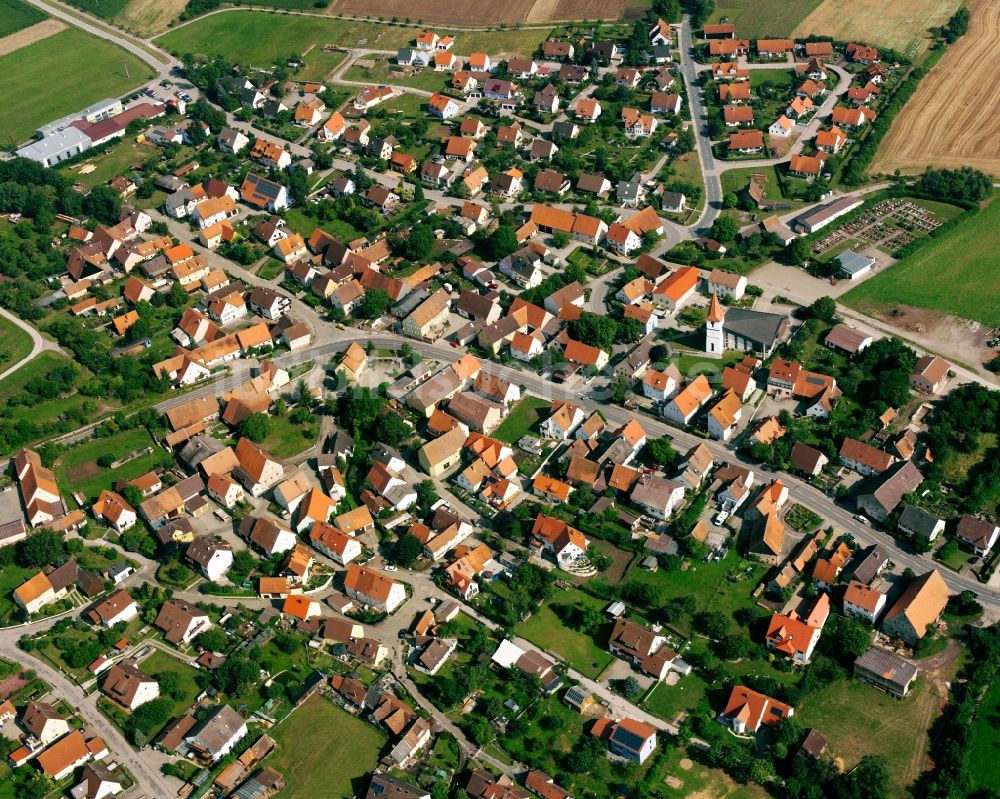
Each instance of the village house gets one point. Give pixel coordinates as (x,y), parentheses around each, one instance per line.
(747,710)
(917,609)
(373,588)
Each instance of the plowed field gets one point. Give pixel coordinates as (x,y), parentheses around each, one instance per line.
(951,120)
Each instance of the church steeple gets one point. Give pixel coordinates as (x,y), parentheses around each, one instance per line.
(714,336)
(715,310)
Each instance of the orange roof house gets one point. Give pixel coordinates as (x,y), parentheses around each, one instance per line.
(747,710)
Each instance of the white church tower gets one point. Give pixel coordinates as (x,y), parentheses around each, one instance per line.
(714,336)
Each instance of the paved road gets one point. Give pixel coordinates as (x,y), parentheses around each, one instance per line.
(699,116)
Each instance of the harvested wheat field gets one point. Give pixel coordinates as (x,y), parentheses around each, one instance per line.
(951,119)
(899,24)
(30,35)
(572,10)
(473,13)
(148,17)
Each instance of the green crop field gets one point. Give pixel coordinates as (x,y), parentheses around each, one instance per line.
(756,19)
(105,9)
(954,274)
(16,15)
(324,751)
(263,38)
(75,70)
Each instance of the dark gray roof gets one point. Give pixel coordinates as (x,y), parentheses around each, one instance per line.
(918,520)
(866,564)
(385,787)
(765,328)
(888,666)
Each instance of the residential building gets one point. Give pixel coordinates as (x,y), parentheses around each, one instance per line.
(129,687)
(657,496)
(747,710)
(917,609)
(212,556)
(886,671)
(220,731)
(796,636)
(373,588)
(632,739)
(863,602)
(917,521)
(977,534)
(930,374)
(864,458)
(180,621)
(885,493)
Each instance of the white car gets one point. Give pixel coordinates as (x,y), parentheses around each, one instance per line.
(391,568)
(720,518)
(861,518)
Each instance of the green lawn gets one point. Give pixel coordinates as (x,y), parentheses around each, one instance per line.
(77,469)
(985,746)
(779,77)
(271,269)
(382,72)
(953,556)
(16,15)
(859,720)
(952,274)
(724,586)
(319,65)
(114,161)
(15,344)
(756,19)
(736,180)
(586,654)
(407,104)
(666,701)
(260,38)
(523,420)
(287,439)
(160,663)
(75,70)
(323,750)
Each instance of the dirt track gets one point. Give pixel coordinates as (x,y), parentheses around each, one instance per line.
(951,120)
(30,35)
